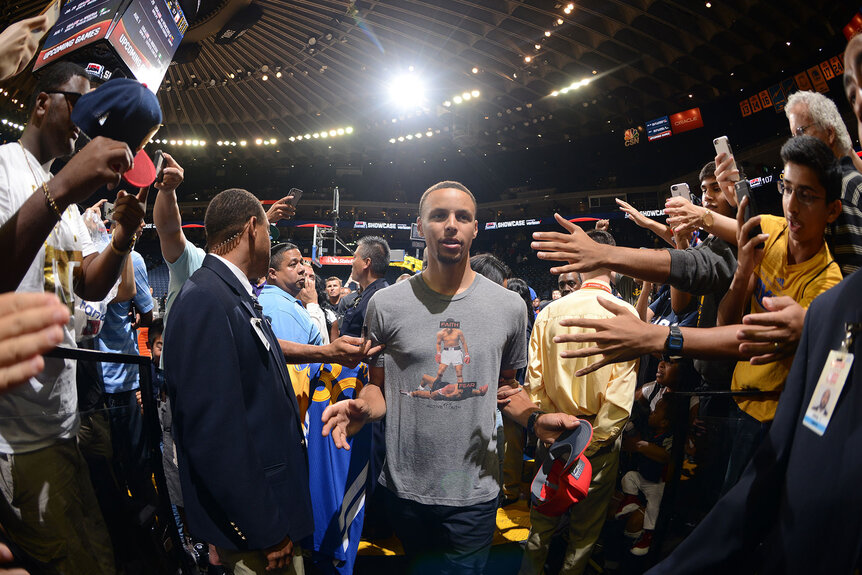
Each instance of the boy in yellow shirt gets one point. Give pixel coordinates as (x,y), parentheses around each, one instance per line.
(795,261)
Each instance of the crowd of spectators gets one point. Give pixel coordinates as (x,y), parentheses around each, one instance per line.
(298,406)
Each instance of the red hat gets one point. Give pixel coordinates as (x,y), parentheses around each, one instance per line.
(564,477)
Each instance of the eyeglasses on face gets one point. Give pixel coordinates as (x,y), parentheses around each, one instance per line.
(804,194)
(71,97)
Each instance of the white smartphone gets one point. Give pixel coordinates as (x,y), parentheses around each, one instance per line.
(722,146)
(681,191)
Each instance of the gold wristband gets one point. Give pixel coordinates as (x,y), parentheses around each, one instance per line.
(128,250)
(50,201)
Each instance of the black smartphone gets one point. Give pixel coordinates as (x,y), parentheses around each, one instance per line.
(296,193)
(159,163)
(743,190)
(107,211)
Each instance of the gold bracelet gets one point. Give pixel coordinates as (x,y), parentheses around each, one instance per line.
(128,250)
(50,201)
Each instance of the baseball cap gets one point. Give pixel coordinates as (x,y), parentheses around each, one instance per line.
(125,110)
(564,477)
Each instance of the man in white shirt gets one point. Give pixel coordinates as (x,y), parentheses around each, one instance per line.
(47,504)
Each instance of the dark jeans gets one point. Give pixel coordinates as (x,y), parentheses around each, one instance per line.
(747,434)
(443,539)
(130,448)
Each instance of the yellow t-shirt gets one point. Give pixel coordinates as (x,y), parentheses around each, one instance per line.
(775,277)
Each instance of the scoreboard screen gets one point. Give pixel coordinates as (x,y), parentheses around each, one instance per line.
(142,34)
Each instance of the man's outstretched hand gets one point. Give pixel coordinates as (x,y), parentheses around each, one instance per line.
(783,323)
(349,351)
(344,419)
(621,338)
(575,247)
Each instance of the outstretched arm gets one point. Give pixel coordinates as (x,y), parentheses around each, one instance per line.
(585,255)
(661,230)
(166,212)
(345,418)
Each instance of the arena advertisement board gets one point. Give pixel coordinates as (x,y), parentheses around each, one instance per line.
(658,128)
(687,120)
(81,22)
(147,37)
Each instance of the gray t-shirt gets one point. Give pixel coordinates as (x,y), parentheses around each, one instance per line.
(440,427)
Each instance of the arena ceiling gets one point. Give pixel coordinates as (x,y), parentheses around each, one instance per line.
(306,67)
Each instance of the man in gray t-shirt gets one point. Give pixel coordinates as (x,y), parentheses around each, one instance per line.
(433,379)
(450,336)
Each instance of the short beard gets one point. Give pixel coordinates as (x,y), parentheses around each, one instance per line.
(450,260)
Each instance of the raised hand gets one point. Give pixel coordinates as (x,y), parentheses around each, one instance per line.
(172,175)
(129,211)
(101,162)
(575,247)
(280,210)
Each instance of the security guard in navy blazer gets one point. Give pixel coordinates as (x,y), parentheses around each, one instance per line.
(240,447)
(796,508)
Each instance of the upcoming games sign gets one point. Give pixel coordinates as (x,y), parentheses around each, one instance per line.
(147,36)
(81,22)
(143,34)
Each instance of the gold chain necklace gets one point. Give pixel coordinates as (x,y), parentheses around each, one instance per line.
(39,182)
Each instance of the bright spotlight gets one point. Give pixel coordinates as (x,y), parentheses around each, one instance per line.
(457,99)
(475,93)
(407,91)
(348,130)
(332,133)
(340,131)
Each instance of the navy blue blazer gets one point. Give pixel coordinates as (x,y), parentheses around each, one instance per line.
(796,506)
(241,451)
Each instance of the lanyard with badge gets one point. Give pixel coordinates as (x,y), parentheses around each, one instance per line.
(831,382)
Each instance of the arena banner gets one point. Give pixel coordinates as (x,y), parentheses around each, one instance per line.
(687,120)
(81,22)
(658,128)
(147,37)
